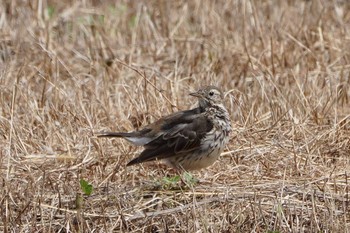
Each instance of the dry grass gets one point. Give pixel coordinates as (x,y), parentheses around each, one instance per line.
(71,69)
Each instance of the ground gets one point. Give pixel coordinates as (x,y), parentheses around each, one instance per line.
(70,69)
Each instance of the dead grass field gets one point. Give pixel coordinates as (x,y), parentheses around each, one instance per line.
(68,70)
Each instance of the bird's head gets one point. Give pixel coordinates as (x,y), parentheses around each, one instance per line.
(209,96)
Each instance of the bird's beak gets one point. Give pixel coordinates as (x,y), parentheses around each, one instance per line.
(197,94)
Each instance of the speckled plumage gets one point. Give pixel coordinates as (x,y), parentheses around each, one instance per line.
(189,140)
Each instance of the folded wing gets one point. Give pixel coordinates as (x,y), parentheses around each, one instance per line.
(175,135)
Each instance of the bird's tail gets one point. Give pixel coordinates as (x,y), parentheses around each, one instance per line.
(133,137)
(113,134)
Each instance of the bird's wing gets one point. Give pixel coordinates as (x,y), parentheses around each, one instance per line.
(179,133)
(151,132)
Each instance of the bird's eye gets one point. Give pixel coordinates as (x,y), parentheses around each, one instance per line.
(211,93)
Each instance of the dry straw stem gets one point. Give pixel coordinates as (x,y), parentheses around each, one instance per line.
(69,69)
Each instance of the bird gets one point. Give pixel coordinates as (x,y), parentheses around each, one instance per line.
(186,140)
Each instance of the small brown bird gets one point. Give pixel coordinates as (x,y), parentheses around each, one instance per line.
(188,140)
